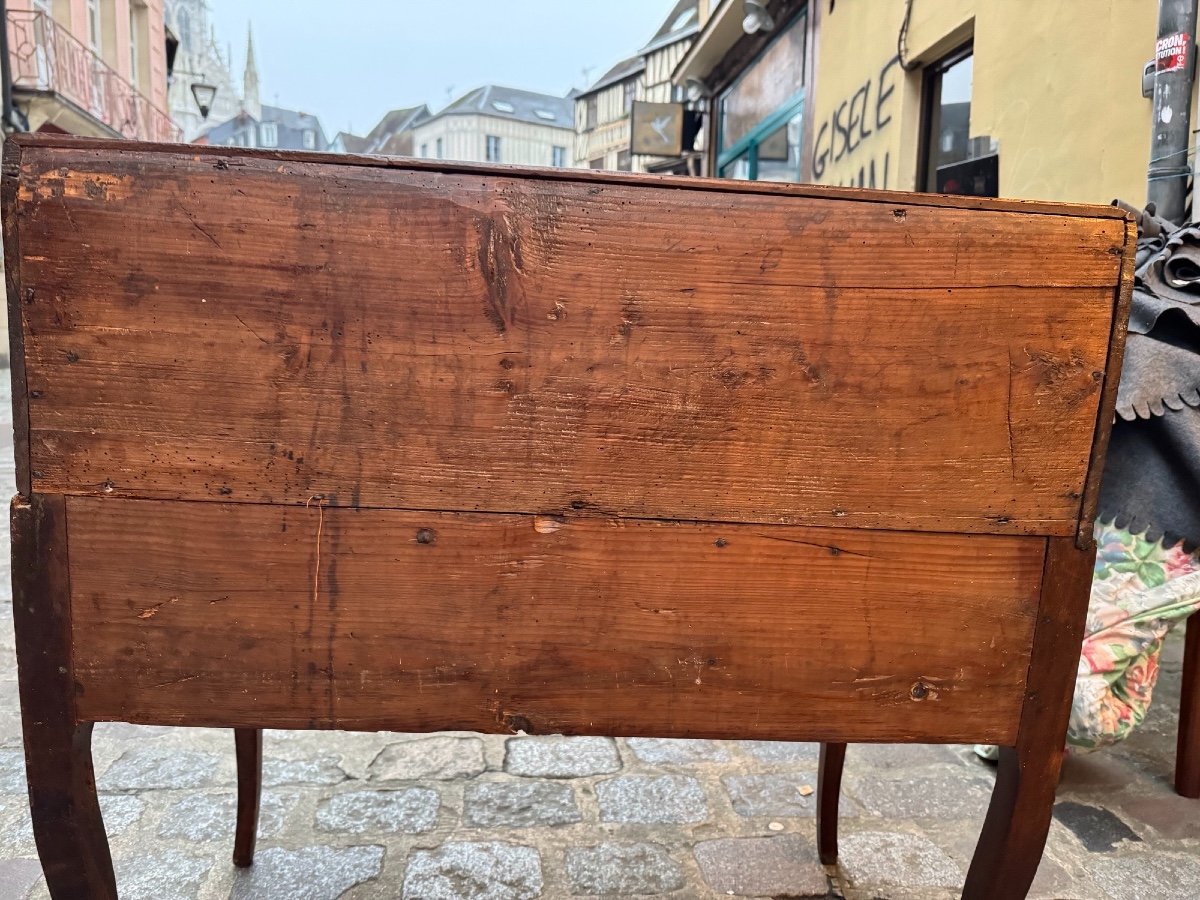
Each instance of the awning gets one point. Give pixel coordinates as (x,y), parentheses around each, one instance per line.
(722,30)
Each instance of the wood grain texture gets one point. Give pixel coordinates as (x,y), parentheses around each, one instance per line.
(266,616)
(1187,742)
(236,156)
(276,330)
(1122,300)
(11,213)
(1018,818)
(67,824)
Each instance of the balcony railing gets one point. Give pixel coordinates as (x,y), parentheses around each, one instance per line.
(46,57)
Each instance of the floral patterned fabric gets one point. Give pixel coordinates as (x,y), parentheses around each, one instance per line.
(1139,591)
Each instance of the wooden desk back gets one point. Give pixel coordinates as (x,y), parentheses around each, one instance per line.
(359,443)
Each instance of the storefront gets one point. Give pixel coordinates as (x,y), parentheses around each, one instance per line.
(752,86)
(1016,99)
(760,115)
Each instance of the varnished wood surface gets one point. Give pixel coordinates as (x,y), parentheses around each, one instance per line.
(1187,744)
(281,330)
(67,825)
(256,615)
(248,751)
(235,156)
(1018,818)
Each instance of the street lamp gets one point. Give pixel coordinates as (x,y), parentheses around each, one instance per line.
(204,95)
(756,18)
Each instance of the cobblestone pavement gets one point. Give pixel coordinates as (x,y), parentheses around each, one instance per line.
(435,817)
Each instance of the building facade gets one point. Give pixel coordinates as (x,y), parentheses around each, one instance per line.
(603,111)
(90,67)
(256,124)
(602,117)
(199,59)
(500,125)
(1023,99)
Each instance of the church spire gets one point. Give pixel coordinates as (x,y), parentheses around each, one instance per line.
(251,103)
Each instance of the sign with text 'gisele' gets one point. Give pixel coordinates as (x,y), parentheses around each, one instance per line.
(657,128)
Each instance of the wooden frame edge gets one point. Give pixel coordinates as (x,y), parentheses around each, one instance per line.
(10,184)
(718,185)
(1122,299)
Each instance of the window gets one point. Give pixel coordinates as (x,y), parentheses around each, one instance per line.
(760,116)
(268,134)
(310,139)
(493,148)
(558,157)
(630,93)
(950,164)
(503,106)
(139,45)
(93,14)
(438,148)
(597,163)
(424,151)
(593,112)
(545,115)
(624,161)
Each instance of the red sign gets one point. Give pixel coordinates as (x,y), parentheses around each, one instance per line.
(1171,52)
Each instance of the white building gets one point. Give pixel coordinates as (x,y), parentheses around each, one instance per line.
(499,124)
(198,58)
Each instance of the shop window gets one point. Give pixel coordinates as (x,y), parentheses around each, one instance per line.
(760,115)
(951,162)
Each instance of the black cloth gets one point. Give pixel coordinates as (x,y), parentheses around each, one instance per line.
(1151,480)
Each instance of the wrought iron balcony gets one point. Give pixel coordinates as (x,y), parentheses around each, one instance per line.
(47,59)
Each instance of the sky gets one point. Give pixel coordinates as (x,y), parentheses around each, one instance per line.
(350,61)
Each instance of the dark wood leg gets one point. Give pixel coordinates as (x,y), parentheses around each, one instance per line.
(1018,819)
(67,825)
(829,792)
(248,742)
(1187,748)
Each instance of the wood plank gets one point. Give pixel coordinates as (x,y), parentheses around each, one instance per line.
(254,615)
(1122,300)
(67,825)
(10,169)
(235,156)
(1018,818)
(401,337)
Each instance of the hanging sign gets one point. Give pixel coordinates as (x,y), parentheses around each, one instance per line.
(657,128)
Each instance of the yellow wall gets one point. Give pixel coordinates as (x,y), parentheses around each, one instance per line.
(1056,85)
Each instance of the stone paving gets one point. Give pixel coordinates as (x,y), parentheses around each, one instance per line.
(447,816)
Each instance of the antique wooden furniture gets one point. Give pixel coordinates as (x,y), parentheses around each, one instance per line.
(1187,743)
(331,442)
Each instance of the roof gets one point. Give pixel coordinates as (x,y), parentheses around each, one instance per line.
(352,142)
(682,21)
(626,68)
(288,120)
(512,103)
(393,122)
